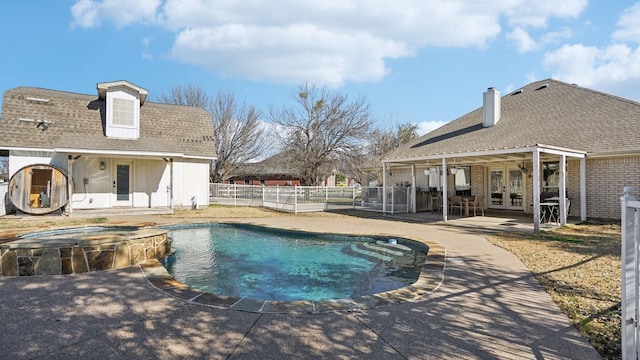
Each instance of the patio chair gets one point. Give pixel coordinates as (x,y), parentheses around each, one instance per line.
(478,204)
(456,203)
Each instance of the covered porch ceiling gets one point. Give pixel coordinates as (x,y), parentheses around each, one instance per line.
(481,157)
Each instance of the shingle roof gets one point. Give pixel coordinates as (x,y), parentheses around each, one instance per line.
(279,164)
(558,114)
(76,122)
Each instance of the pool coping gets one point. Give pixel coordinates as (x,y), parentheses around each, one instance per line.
(430,278)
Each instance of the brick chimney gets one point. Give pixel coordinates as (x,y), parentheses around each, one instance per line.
(490,107)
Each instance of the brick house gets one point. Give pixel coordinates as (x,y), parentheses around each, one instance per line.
(548,137)
(111,149)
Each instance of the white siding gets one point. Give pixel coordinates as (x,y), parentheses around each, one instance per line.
(191,180)
(19,159)
(151,179)
(4,199)
(97,192)
(150,185)
(119,130)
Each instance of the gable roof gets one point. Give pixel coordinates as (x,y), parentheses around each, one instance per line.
(548,112)
(52,120)
(278,164)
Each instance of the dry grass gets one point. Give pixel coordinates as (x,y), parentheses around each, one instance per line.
(580,267)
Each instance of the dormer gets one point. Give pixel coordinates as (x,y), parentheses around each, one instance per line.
(122,104)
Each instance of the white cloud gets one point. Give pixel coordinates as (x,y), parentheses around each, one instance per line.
(629,24)
(524,42)
(287,54)
(88,13)
(555,36)
(602,68)
(85,14)
(614,68)
(428,126)
(325,42)
(536,13)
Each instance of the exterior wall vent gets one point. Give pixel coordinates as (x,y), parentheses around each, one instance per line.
(490,107)
(543,86)
(38,100)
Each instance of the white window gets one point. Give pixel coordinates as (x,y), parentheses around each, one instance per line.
(123,112)
(122,106)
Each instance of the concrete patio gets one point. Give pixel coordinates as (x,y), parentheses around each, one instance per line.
(488,307)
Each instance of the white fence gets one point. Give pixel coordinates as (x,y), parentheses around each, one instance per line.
(630,274)
(310,198)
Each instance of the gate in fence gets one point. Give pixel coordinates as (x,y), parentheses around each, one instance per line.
(630,255)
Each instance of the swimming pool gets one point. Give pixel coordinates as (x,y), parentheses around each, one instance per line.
(258,263)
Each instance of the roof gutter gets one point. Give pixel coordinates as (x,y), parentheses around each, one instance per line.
(528,149)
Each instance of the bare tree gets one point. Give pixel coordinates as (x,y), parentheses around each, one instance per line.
(383,142)
(4,168)
(239,134)
(188,95)
(322,131)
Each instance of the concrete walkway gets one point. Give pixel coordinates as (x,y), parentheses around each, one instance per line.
(488,307)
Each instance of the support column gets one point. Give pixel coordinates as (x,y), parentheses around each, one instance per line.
(445,202)
(413,188)
(384,188)
(70,161)
(562,191)
(536,190)
(169,161)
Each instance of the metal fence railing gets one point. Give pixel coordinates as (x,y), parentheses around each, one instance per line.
(630,255)
(311,198)
(232,194)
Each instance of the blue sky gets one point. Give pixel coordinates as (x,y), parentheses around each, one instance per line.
(420,61)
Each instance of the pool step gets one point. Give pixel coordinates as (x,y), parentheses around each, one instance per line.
(387,253)
(396,245)
(358,249)
(381,248)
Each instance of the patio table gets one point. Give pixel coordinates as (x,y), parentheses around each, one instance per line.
(547,211)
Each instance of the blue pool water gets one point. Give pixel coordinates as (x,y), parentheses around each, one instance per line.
(266,264)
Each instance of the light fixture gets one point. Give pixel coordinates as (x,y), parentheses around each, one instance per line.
(523,168)
(101,165)
(453,170)
(426,171)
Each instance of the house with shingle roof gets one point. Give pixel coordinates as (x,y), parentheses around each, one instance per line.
(272,171)
(114,149)
(548,137)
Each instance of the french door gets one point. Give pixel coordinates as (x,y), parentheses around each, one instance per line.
(122,183)
(506,188)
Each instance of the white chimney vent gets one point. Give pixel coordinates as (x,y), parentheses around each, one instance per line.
(490,107)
